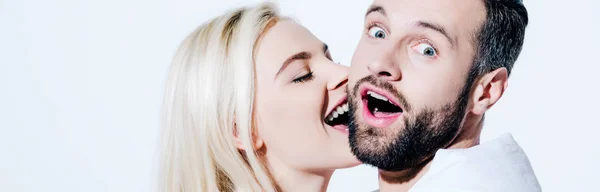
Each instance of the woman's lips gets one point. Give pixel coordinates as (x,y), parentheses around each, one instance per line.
(340,103)
(341,128)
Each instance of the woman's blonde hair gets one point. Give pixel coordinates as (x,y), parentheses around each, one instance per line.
(209,97)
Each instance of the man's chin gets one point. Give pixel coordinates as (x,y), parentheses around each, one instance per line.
(376,147)
(388,163)
(370,148)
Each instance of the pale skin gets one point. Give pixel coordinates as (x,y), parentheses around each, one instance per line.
(297,85)
(424,48)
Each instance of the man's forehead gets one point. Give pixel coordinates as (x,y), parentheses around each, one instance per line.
(450,13)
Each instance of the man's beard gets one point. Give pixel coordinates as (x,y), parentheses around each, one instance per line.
(422,134)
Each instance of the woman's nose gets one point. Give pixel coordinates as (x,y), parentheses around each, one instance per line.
(338,78)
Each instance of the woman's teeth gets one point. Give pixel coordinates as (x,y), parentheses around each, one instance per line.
(340,110)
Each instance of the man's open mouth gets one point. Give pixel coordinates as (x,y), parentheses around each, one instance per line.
(338,116)
(378,109)
(379,105)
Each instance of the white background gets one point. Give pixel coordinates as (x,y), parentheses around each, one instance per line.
(81,87)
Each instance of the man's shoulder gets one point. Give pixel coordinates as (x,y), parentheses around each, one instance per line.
(498,165)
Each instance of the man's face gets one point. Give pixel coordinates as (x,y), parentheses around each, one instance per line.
(407,84)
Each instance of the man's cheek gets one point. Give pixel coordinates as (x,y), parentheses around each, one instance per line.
(428,97)
(360,66)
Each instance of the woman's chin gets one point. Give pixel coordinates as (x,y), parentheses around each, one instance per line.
(353,163)
(349,162)
(346,162)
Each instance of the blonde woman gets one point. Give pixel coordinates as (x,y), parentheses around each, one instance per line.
(253,102)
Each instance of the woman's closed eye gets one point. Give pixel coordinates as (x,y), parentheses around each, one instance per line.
(303,78)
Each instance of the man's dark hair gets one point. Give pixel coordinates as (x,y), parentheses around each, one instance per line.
(500,39)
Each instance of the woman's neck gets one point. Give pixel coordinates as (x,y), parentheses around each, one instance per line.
(290,179)
(295,180)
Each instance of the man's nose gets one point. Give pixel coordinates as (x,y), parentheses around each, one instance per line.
(385,68)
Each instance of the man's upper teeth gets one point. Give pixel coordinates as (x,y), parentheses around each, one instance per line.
(377,96)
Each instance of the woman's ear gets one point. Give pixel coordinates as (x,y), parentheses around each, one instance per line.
(488,90)
(236,139)
(258,142)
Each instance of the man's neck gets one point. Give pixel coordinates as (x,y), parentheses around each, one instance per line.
(470,134)
(403,181)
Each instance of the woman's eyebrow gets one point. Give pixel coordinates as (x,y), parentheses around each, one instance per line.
(298,56)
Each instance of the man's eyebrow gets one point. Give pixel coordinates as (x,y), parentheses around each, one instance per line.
(298,56)
(375,8)
(437,28)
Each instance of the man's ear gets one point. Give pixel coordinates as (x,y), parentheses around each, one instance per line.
(488,90)
(258,142)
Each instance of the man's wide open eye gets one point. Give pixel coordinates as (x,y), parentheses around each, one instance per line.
(425,50)
(377,32)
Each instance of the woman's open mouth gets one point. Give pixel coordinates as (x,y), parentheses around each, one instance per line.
(338,116)
(379,110)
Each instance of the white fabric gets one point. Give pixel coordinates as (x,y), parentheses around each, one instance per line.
(499,165)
